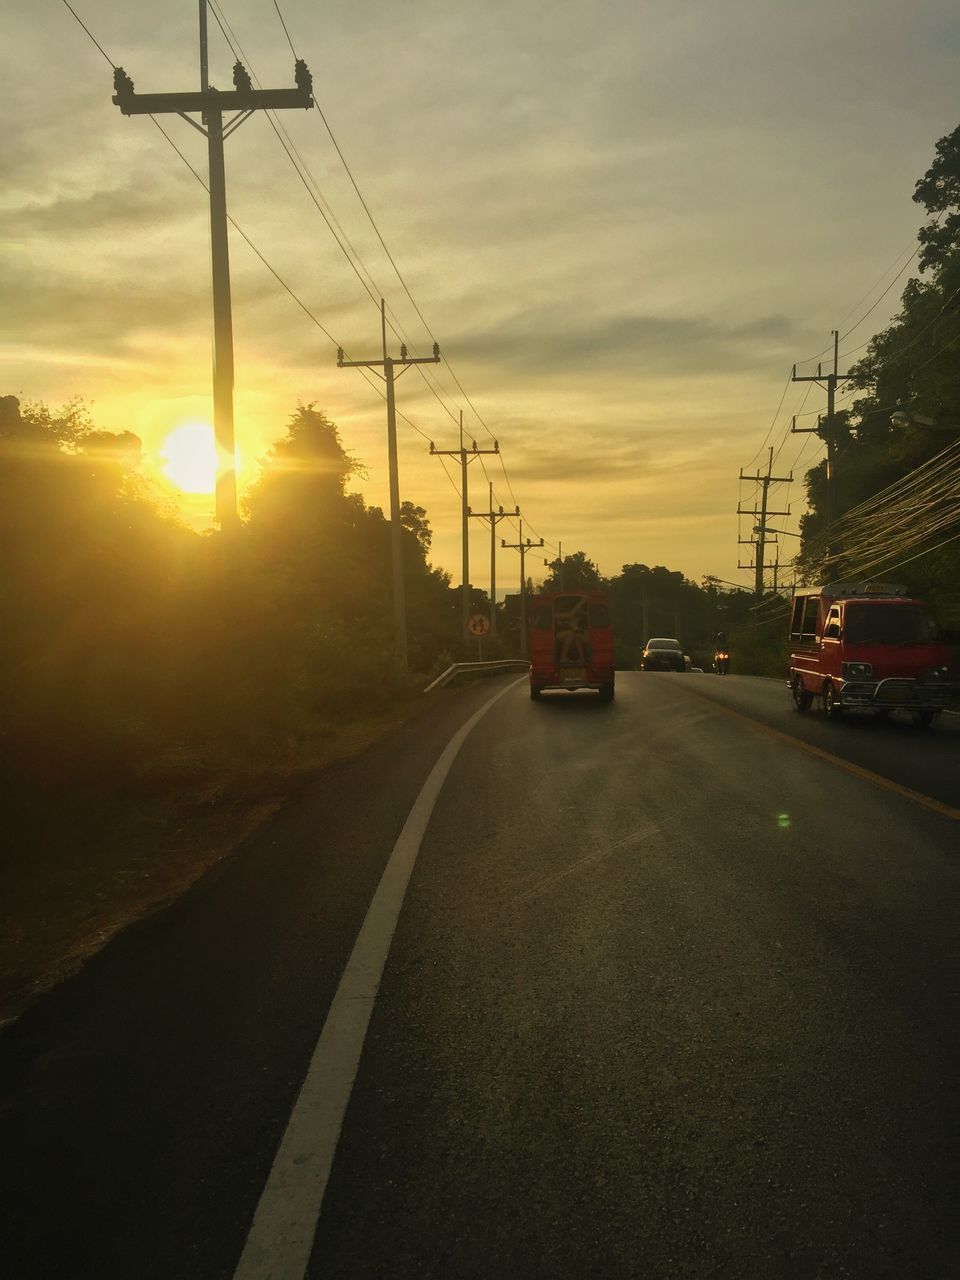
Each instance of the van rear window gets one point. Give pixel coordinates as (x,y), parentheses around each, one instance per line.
(542,618)
(803,625)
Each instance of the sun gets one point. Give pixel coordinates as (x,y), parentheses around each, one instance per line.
(189,458)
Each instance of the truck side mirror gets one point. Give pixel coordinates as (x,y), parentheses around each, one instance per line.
(833,631)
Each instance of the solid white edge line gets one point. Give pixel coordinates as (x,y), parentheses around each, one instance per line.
(281,1236)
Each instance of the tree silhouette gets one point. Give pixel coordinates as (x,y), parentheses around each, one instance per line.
(572,572)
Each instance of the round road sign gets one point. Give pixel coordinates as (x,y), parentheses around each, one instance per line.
(479,624)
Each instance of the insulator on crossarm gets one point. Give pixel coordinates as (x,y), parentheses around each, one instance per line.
(302,76)
(432,449)
(403,351)
(473,445)
(339,355)
(122,83)
(436,351)
(241,78)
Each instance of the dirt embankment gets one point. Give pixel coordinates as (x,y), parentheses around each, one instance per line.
(82,863)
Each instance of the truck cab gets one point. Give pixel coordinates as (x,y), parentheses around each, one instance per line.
(869,646)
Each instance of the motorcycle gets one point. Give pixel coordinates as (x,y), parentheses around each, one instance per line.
(721,662)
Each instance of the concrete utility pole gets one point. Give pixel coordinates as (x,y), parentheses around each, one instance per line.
(466,456)
(760,530)
(494,517)
(210,104)
(396,542)
(523,547)
(559,562)
(825,429)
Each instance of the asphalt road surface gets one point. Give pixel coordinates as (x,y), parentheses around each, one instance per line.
(669,996)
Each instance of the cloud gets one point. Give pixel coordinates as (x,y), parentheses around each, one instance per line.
(648,345)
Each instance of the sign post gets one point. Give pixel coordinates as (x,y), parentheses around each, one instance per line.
(478,625)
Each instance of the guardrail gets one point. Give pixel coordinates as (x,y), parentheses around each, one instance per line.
(503,664)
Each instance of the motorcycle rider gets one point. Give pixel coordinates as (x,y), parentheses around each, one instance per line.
(721,658)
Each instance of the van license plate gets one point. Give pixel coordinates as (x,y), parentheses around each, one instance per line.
(575,673)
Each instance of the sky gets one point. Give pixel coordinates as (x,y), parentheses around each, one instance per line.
(623,222)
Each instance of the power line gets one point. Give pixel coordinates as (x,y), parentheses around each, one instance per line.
(285,31)
(235,48)
(89,33)
(302,169)
(403,282)
(783,397)
(876,303)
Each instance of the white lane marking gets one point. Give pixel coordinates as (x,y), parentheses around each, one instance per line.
(284,1225)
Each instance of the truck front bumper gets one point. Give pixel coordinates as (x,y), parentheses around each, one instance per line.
(898,692)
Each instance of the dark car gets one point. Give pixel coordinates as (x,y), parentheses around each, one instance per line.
(661,654)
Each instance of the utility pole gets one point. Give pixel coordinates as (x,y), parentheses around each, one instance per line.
(563,573)
(387,364)
(466,456)
(494,517)
(523,547)
(559,562)
(826,430)
(211,105)
(760,530)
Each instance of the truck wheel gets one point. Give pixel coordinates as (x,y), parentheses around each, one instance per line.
(606,692)
(801,696)
(924,719)
(831,709)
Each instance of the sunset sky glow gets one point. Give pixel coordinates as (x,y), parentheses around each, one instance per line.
(623,222)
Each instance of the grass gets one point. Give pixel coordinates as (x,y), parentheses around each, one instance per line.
(86,862)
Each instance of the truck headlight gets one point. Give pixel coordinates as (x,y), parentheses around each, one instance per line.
(856,670)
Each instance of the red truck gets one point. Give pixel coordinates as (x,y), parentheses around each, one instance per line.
(869,646)
(571,643)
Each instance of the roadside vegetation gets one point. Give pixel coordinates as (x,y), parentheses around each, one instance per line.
(163,690)
(897,483)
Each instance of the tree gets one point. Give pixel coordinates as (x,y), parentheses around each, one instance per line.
(572,573)
(911,367)
(90,572)
(414,520)
(939,192)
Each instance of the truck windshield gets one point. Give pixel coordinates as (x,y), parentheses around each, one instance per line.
(888,624)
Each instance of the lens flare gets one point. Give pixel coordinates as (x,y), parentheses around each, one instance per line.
(189,455)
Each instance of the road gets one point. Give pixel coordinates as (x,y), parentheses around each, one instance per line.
(668,996)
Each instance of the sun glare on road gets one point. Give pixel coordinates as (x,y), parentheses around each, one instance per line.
(189,458)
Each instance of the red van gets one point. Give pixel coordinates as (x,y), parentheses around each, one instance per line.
(571,643)
(869,646)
